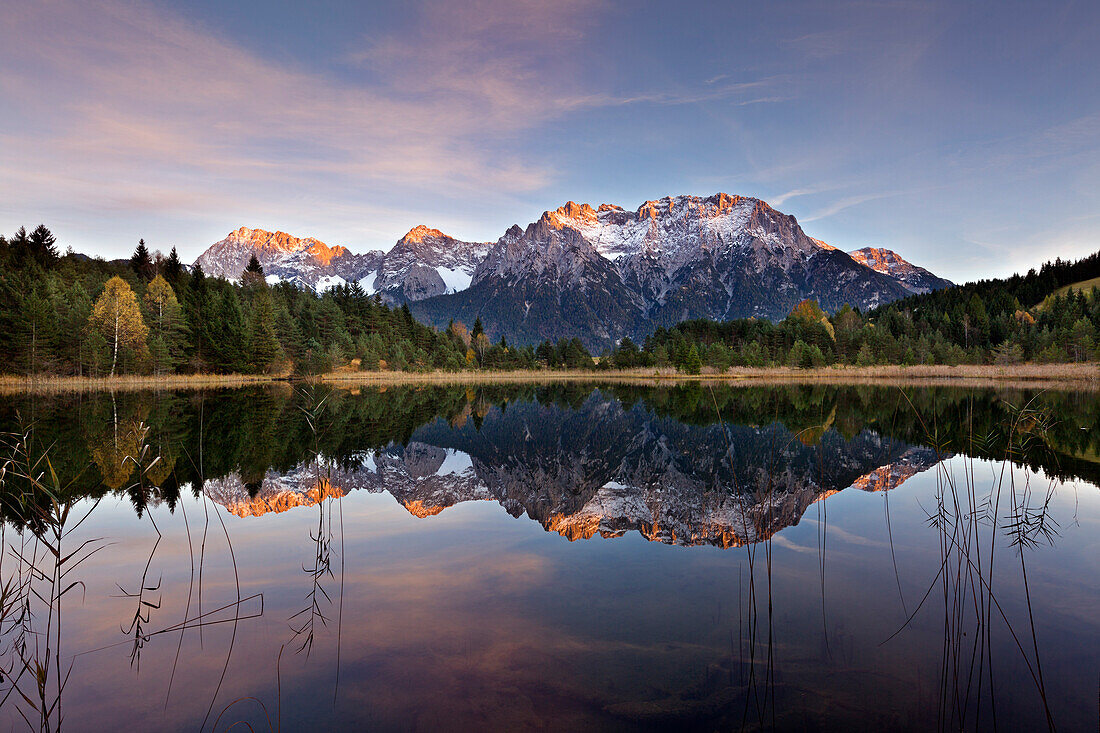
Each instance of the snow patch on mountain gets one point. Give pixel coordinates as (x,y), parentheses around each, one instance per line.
(455,279)
(599,273)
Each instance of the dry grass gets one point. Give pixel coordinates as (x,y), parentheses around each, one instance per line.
(1051,376)
(1068,376)
(13,384)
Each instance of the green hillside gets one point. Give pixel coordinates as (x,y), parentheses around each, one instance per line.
(1083,286)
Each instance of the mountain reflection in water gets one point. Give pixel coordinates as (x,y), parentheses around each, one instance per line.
(322,558)
(602,469)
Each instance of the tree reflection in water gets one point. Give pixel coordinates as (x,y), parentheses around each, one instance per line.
(687,465)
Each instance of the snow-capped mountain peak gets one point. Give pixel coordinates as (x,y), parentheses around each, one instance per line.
(596,272)
(426,262)
(306,261)
(913,278)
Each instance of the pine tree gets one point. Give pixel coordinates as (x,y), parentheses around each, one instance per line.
(141,263)
(545,352)
(166,321)
(117,318)
(38,327)
(173,268)
(43,246)
(263,347)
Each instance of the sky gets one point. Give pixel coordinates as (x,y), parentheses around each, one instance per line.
(963,135)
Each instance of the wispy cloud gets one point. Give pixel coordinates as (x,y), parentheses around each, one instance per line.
(125,107)
(847,203)
(794,193)
(741,93)
(822,44)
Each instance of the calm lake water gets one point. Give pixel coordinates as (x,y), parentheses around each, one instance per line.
(552,557)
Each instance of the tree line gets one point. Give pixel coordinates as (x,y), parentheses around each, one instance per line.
(69,314)
(999,321)
(74,315)
(93,440)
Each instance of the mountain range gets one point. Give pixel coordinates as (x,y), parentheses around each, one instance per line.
(596,273)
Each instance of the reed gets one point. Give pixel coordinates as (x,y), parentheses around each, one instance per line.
(1078,376)
(54,384)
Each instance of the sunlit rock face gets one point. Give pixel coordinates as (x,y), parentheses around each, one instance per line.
(606,272)
(602,470)
(426,262)
(423,263)
(277,494)
(597,273)
(914,279)
(307,262)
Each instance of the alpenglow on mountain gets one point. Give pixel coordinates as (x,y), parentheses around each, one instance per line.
(916,279)
(596,273)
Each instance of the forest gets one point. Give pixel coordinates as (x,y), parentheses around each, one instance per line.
(69,314)
(73,315)
(998,321)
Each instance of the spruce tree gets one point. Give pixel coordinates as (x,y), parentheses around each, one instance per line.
(72,319)
(693,363)
(141,263)
(254,266)
(173,268)
(164,315)
(263,346)
(43,246)
(38,329)
(226,336)
(253,275)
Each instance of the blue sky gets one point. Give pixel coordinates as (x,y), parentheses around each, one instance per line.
(966,136)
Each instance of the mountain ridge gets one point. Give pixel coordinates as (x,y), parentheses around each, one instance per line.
(598,273)
(917,279)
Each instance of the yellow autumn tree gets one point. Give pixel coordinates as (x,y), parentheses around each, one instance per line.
(162,303)
(117,318)
(810,311)
(167,324)
(458,328)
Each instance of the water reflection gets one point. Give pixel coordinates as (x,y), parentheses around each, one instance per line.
(252,593)
(601,468)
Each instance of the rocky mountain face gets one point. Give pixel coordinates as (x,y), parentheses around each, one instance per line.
(423,263)
(597,273)
(308,262)
(913,278)
(603,469)
(604,273)
(426,262)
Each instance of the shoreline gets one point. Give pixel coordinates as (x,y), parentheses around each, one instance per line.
(1084,376)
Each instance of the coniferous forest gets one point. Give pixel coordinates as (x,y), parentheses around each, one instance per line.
(68,314)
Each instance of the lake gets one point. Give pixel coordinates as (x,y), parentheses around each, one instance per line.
(552,557)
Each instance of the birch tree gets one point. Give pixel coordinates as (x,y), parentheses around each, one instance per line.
(166,321)
(117,318)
